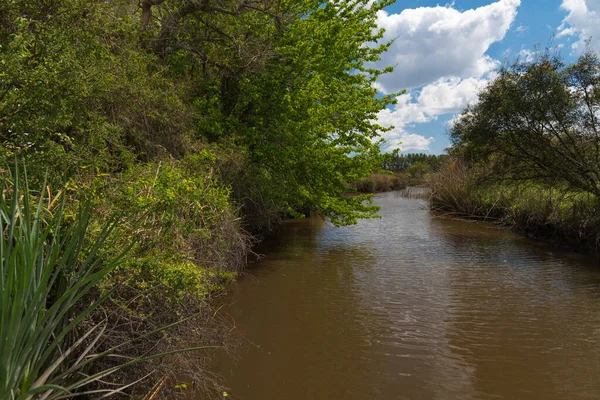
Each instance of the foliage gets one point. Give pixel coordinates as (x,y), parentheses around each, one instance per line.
(527,153)
(306,116)
(312,129)
(197,120)
(189,244)
(77,93)
(86,87)
(456,190)
(379,182)
(403,162)
(413,168)
(538,121)
(189,237)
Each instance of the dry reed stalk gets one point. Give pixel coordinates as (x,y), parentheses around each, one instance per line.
(155,391)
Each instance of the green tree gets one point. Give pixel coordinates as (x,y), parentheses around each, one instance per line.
(289,83)
(76,91)
(99,85)
(401,162)
(537,120)
(308,119)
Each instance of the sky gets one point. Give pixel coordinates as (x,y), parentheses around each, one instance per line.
(444,53)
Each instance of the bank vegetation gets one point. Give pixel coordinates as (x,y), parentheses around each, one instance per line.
(527,154)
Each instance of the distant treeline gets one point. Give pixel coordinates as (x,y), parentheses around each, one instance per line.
(403,162)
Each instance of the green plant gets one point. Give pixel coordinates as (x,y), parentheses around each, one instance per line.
(47,268)
(455,190)
(553,213)
(379,182)
(44,273)
(190,240)
(537,121)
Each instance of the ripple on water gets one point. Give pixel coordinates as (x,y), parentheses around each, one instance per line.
(414,307)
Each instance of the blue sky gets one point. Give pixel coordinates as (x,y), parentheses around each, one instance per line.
(446,52)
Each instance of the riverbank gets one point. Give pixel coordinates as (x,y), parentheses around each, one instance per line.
(554,215)
(189,226)
(189,141)
(189,232)
(526,154)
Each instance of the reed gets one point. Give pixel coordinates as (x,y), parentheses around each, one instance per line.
(378,182)
(553,213)
(44,273)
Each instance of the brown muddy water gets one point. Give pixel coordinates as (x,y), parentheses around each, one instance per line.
(414,307)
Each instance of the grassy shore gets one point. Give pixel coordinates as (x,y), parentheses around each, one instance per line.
(185,240)
(554,214)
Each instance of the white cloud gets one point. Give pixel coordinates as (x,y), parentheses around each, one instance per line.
(583,20)
(449,96)
(432,43)
(566,32)
(446,96)
(526,55)
(521,29)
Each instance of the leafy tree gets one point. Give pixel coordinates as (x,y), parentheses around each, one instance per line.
(99,85)
(77,92)
(308,119)
(272,101)
(289,82)
(538,120)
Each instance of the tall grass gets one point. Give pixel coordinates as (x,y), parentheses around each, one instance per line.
(455,191)
(552,213)
(378,182)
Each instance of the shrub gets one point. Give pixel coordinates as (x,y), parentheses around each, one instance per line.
(189,236)
(378,182)
(188,244)
(454,190)
(553,213)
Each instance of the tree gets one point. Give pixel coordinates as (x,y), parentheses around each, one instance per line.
(77,92)
(401,162)
(538,120)
(101,85)
(308,119)
(288,82)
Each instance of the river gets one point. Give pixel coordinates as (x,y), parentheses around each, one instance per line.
(414,307)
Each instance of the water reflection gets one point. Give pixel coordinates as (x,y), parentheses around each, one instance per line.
(524,317)
(415,307)
(303,331)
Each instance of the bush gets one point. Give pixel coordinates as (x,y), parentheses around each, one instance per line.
(454,191)
(537,121)
(188,243)
(189,236)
